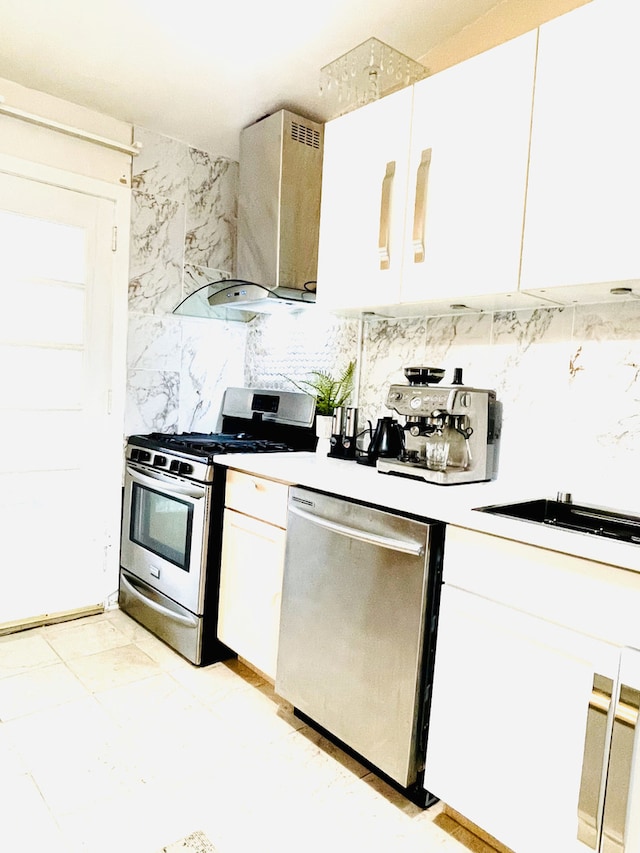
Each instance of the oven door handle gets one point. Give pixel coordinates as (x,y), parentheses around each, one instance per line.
(190,490)
(159,608)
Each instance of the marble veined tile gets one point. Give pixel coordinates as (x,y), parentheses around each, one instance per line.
(196,276)
(213,358)
(392,345)
(531,326)
(152,401)
(154,342)
(613,321)
(162,167)
(156,254)
(211,211)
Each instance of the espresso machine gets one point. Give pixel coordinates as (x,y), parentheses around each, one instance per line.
(451,432)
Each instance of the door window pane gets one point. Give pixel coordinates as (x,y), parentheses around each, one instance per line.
(41,249)
(41,312)
(35,377)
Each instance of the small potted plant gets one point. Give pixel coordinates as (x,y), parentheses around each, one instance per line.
(330,393)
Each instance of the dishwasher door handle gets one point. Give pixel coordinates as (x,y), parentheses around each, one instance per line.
(416,549)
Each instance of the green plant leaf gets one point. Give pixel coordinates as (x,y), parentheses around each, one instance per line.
(330,392)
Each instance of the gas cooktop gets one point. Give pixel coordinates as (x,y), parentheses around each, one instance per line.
(253,421)
(206,445)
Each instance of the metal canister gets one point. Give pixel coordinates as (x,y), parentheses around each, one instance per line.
(350,422)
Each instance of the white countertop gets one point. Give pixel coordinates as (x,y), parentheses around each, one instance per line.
(451,504)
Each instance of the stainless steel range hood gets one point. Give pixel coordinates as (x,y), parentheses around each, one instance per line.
(278,223)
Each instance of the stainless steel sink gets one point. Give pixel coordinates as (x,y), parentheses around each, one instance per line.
(580,518)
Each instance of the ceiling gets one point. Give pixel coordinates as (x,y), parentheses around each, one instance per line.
(200,70)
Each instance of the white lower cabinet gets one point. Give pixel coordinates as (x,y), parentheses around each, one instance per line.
(532,734)
(252,568)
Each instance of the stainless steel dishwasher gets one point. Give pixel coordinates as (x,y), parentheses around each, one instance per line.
(358,625)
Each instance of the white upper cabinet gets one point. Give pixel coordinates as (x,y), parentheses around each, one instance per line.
(583,204)
(468,176)
(364,185)
(509,180)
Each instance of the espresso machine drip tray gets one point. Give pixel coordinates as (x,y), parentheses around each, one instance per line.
(415,470)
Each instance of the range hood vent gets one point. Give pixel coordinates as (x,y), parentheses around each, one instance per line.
(278,223)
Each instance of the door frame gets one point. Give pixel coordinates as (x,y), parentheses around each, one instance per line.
(110,458)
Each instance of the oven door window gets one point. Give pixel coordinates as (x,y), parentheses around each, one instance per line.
(162,524)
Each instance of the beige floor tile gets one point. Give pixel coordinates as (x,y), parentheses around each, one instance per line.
(157,702)
(38,689)
(27,824)
(11,760)
(161,653)
(129,627)
(215,682)
(152,749)
(49,737)
(24,651)
(140,821)
(74,753)
(254,714)
(113,667)
(78,639)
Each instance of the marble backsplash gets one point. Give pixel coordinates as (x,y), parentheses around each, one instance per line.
(568,380)
(183,231)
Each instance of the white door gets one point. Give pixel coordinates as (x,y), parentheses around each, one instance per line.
(55,366)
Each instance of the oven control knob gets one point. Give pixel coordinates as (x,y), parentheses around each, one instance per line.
(143,456)
(185,468)
(175,466)
(159,461)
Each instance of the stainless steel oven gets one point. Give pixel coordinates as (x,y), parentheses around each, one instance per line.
(167,534)
(172,514)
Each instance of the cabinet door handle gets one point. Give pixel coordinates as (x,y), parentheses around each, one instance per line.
(616,800)
(595,745)
(420,209)
(385,215)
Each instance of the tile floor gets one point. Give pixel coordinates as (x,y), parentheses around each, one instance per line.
(111,743)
